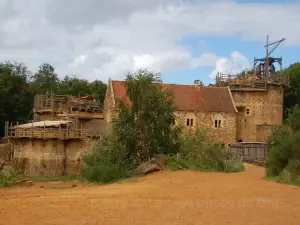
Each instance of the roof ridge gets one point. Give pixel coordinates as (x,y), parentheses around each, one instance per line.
(189,85)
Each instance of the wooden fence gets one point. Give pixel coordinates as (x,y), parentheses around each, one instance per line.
(249,151)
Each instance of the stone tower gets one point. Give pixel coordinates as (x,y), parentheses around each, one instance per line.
(258,97)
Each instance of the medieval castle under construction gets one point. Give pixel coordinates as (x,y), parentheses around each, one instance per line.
(241,108)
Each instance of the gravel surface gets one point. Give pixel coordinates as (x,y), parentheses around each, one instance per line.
(183,197)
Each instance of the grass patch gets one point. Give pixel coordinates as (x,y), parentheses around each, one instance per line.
(181,163)
(234,167)
(104,173)
(278,179)
(175,164)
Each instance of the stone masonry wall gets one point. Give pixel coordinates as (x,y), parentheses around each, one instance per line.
(36,157)
(75,151)
(206,120)
(257,108)
(5,151)
(263,132)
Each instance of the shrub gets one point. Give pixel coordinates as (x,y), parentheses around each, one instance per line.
(234,167)
(198,152)
(278,134)
(103,173)
(180,163)
(6,178)
(284,154)
(203,150)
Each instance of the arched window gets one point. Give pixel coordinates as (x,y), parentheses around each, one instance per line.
(218,121)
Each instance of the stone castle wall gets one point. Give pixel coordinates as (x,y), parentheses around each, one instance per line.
(223,133)
(257,108)
(38,157)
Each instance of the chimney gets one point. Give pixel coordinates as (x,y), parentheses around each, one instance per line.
(197,83)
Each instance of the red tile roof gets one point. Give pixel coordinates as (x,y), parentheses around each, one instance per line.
(190,98)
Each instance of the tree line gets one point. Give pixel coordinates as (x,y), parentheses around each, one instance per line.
(18,86)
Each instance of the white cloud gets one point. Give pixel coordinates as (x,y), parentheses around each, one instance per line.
(232,65)
(99,39)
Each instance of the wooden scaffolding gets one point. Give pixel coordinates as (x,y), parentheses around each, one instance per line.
(63,130)
(53,107)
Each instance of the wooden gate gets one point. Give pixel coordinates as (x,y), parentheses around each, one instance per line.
(249,151)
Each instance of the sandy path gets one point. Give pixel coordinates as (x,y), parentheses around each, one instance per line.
(163,198)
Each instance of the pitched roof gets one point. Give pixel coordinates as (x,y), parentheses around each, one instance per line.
(45,123)
(190,98)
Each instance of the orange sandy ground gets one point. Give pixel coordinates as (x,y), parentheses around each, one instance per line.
(183,197)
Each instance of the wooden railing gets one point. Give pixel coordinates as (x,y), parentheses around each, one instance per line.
(251,82)
(45,133)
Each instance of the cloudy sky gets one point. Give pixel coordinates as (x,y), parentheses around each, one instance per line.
(183,39)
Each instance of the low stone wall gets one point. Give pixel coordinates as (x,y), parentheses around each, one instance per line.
(38,157)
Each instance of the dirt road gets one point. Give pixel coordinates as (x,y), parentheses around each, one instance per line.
(163,198)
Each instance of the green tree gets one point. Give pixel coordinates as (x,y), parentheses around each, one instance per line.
(16,97)
(292,94)
(98,89)
(74,86)
(293,117)
(284,154)
(45,80)
(144,128)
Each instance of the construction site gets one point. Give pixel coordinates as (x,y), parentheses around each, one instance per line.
(63,128)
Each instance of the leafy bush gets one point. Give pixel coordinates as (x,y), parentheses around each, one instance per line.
(293,117)
(6,178)
(203,150)
(278,135)
(103,173)
(234,167)
(284,154)
(198,152)
(180,163)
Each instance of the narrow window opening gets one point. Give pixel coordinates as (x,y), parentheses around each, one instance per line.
(217,123)
(190,122)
